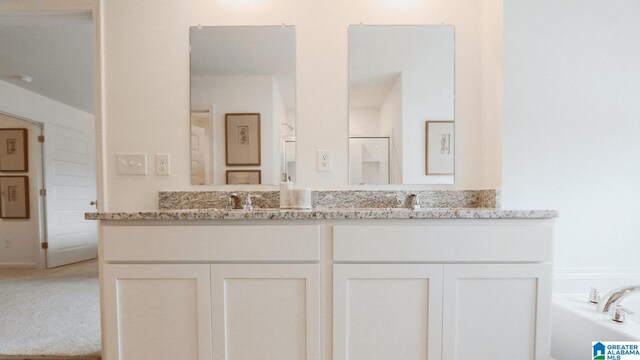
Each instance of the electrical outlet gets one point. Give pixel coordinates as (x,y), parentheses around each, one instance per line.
(324,160)
(131,164)
(162,164)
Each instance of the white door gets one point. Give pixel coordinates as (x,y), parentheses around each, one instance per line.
(387,311)
(70,181)
(497,312)
(265,312)
(157,312)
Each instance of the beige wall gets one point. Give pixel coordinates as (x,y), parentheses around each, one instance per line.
(146,69)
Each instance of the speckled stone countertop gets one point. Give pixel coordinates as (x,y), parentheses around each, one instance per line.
(327,214)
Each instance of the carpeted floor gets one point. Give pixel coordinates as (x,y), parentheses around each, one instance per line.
(50,313)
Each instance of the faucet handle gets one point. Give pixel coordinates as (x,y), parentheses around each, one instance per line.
(248,202)
(620,313)
(413,201)
(594,296)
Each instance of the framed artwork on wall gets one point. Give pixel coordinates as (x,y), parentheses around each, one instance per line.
(440,146)
(14,151)
(242,138)
(14,197)
(249,177)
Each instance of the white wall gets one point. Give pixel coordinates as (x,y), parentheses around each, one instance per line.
(427,95)
(27,105)
(277,147)
(391,124)
(365,122)
(571,130)
(146,62)
(492,104)
(237,94)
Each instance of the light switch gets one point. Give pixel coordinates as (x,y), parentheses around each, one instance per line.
(131,164)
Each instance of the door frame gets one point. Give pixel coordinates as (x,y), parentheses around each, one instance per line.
(92,6)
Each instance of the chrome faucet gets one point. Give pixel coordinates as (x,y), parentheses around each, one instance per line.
(233,202)
(413,202)
(611,300)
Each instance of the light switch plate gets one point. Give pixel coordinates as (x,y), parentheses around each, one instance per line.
(131,164)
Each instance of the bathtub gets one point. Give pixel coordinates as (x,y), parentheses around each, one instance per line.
(576,323)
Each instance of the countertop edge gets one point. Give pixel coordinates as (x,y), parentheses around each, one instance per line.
(325,214)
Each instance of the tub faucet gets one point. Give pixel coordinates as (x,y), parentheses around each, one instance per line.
(612,299)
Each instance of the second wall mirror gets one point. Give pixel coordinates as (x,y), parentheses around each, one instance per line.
(243,104)
(401,104)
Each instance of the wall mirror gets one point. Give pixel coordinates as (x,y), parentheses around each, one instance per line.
(242,104)
(401,104)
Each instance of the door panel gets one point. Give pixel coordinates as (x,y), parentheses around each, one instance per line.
(265,312)
(156,312)
(70,180)
(497,310)
(387,311)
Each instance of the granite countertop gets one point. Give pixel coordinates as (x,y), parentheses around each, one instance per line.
(326,214)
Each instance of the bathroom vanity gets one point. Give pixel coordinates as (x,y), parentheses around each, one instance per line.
(326,284)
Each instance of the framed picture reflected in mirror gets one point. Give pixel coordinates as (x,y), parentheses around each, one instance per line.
(440,141)
(246,177)
(242,135)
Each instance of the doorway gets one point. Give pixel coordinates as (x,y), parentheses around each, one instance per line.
(48,81)
(46,76)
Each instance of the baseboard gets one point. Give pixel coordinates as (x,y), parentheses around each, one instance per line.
(580,280)
(18,266)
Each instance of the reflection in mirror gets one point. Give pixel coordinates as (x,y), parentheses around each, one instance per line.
(401,94)
(242,104)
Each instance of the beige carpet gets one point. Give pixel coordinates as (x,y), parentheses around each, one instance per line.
(50,312)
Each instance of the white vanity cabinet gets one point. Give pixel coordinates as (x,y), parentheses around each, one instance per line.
(444,290)
(253,293)
(327,289)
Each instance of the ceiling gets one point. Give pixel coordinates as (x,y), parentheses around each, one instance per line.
(247,50)
(55,49)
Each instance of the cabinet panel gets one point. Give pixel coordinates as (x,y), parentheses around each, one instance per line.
(444,243)
(387,312)
(157,312)
(211,243)
(265,312)
(502,310)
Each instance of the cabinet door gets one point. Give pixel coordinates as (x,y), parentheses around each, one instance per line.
(496,312)
(384,311)
(265,312)
(157,312)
